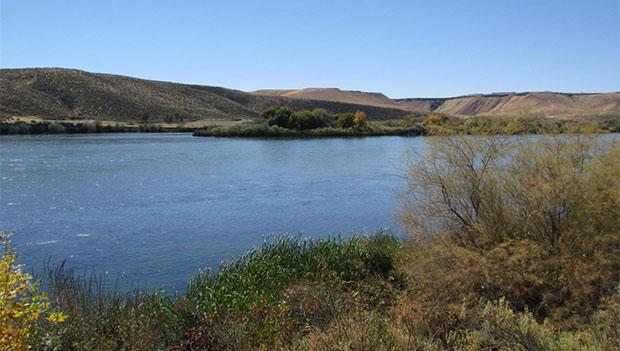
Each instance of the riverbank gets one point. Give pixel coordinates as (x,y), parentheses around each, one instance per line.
(428,127)
(36,126)
(432,125)
(365,293)
(84,128)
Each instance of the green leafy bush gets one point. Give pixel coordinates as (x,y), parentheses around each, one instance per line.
(345,120)
(278,116)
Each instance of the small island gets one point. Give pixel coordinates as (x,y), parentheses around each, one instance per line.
(283,122)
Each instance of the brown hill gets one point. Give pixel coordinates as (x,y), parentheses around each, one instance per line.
(56,93)
(334,94)
(542,104)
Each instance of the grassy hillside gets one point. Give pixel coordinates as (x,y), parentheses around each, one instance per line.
(55,93)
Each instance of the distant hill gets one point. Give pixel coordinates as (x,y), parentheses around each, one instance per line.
(334,94)
(541,104)
(56,93)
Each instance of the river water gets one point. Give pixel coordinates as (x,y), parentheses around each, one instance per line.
(151,210)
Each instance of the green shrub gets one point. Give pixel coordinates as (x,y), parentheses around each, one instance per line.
(497,326)
(306,119)
(345,120)
(604,325)
(536,222)
(481,191)
(278,116)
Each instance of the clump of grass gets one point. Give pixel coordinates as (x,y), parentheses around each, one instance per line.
(104,319)
(257,300)
(241,283)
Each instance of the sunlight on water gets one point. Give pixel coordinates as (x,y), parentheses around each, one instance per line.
(153,209)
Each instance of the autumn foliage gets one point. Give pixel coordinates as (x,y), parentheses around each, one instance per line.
(21,302)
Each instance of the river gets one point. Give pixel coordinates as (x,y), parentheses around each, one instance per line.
(151,210)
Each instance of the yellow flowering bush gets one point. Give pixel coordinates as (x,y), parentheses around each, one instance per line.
(21,302)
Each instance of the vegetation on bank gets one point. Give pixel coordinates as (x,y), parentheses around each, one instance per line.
(261,130)
(22,305)
(263,298)
(282,122)
(514,245)
(49,127)
(437,124)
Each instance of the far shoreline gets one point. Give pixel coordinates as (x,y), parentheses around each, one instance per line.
(257,129)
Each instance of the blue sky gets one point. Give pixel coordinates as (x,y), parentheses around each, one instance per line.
(400,48)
